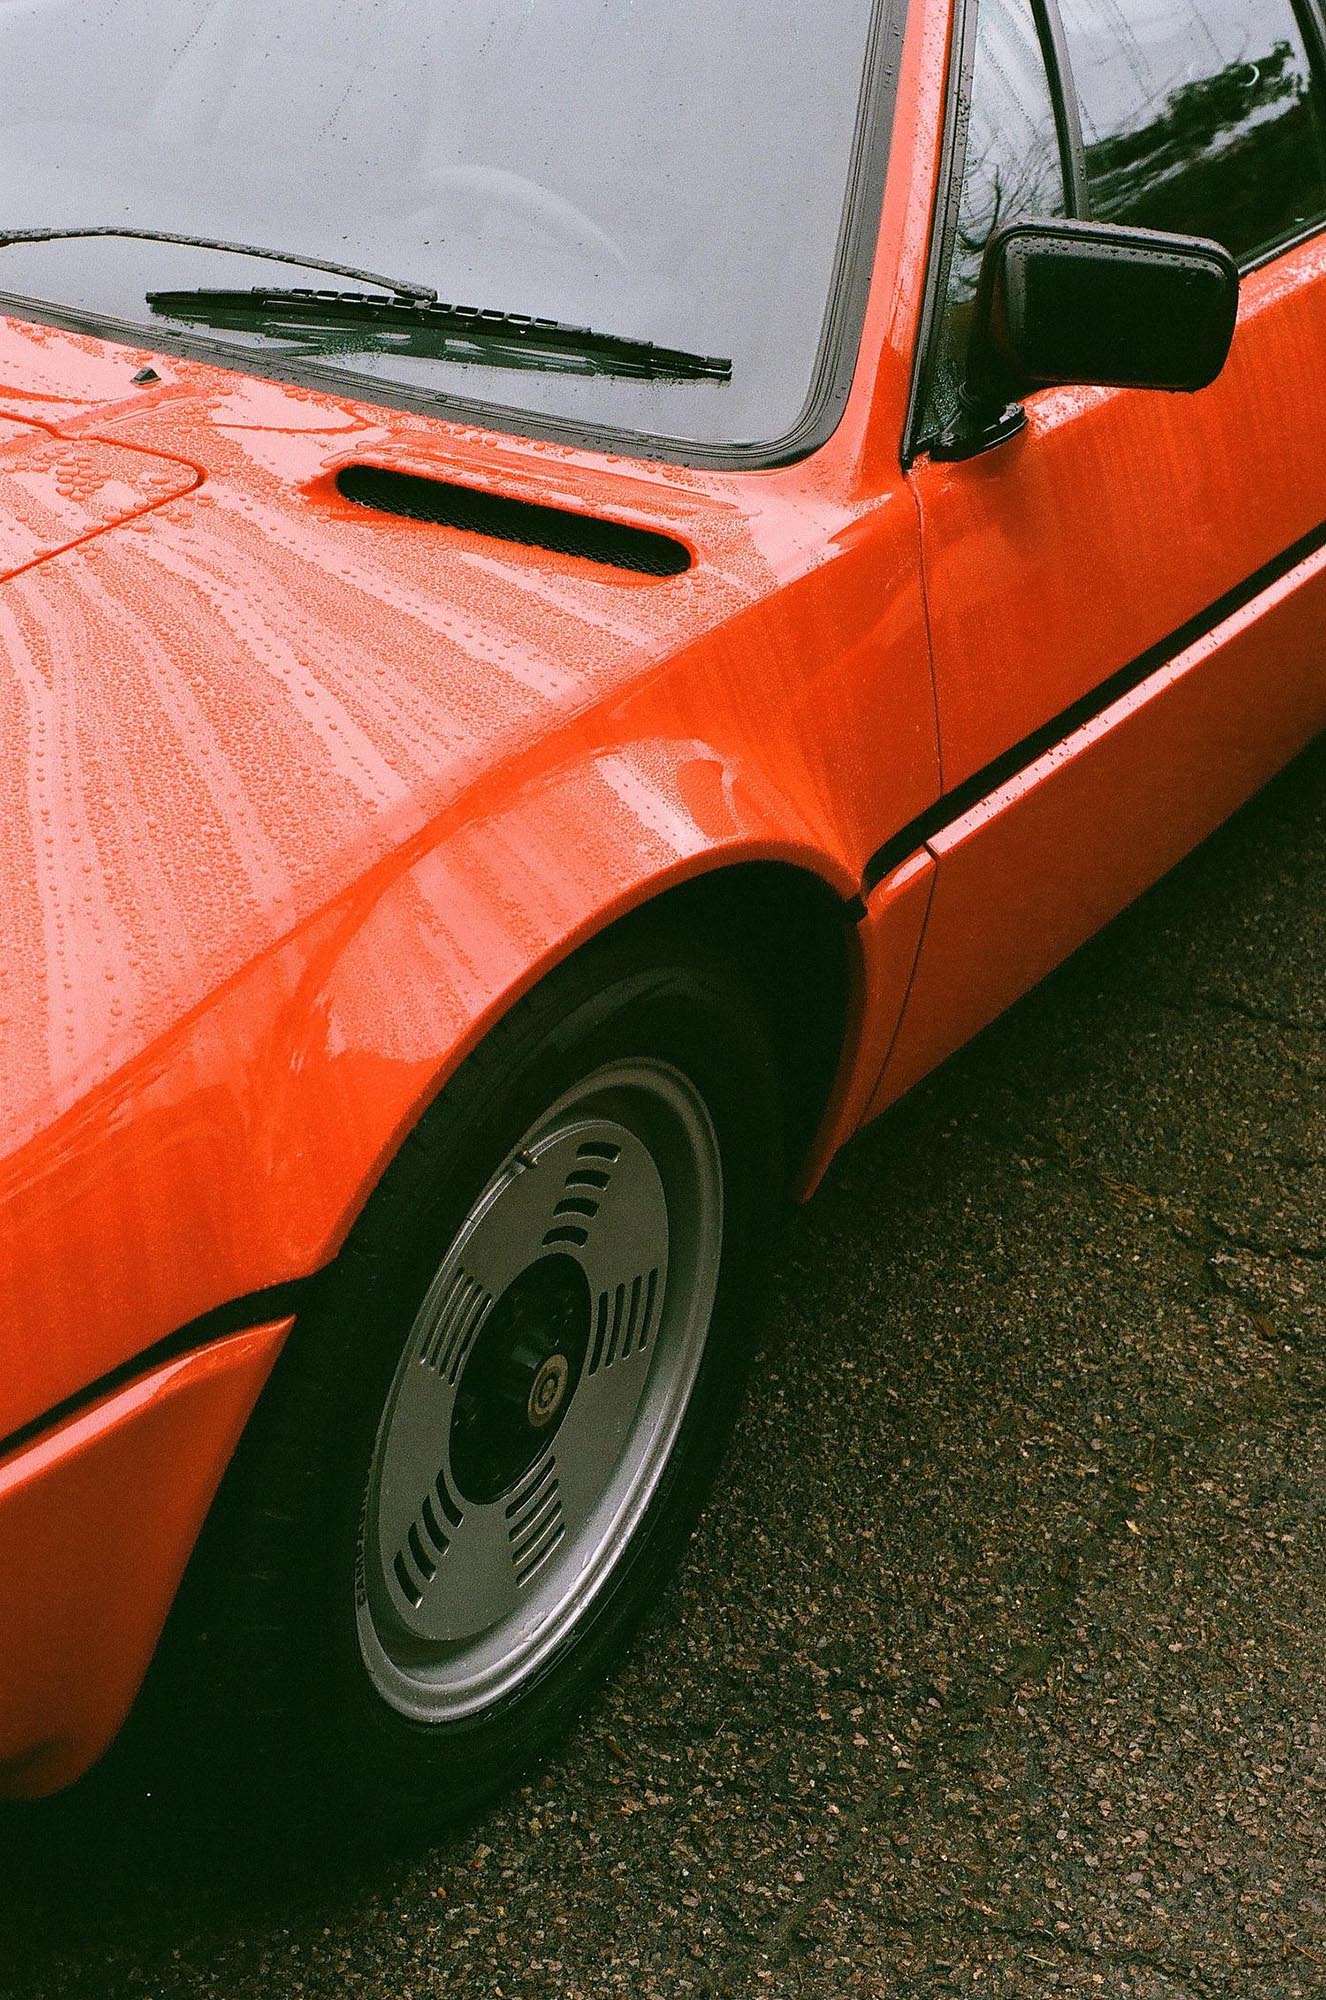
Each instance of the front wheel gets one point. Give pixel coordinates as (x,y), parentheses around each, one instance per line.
(540,1392)
(489,1439)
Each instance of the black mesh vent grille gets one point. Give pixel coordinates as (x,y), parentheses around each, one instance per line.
(507,520)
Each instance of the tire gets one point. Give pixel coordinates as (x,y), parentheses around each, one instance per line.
(562,1331)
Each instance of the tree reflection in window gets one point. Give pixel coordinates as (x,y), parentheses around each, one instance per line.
(1198,116)
(1201,121)
(1012,170)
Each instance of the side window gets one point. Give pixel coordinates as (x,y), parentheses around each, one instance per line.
(1206,117)
(1011,169)
(1200,116)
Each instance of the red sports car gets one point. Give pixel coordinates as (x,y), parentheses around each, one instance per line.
(585,592)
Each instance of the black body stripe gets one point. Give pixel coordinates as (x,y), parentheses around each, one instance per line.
(952,805)
(256,1309)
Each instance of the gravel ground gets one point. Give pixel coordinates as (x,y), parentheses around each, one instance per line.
(999,1665)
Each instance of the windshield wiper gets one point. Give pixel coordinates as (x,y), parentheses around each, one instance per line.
(398,288)
(340,322)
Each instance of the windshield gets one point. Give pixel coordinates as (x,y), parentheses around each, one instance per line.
(677,174)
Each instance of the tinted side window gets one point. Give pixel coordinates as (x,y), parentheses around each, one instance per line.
(1200,116)
(1011,170)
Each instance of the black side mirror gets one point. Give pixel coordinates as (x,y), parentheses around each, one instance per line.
(1069,302)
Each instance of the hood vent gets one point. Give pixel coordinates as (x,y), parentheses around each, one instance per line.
(506,520)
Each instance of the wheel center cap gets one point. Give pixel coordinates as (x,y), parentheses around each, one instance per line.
(547,1391)
(520,1378)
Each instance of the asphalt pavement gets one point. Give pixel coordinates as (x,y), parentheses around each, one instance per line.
(999,1664)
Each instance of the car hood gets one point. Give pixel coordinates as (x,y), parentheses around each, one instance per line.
(226,691)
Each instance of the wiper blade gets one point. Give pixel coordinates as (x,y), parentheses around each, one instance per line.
(428,328)
(399,288)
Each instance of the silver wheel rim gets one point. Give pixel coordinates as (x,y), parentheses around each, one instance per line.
(540,1392)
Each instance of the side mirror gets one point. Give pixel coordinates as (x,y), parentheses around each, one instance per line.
(1087,302)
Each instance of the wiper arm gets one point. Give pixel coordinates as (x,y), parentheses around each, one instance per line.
(430,329)
(398,288)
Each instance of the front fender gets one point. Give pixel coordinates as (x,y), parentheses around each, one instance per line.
(233,1155)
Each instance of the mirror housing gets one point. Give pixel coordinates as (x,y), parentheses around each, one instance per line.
(1063,302)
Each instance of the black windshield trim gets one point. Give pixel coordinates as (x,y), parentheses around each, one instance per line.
(831,383)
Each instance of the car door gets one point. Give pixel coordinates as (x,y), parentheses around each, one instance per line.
(1127,600)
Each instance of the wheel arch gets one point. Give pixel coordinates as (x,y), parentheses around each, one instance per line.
(402,991)
(791,940)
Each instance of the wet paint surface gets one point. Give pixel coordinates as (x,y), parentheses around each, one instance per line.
(295,798)
(237,717)
(55,492)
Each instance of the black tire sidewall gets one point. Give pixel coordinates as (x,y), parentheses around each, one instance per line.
(287,1641)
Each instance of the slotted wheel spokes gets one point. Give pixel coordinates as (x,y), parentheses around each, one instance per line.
(541,1389)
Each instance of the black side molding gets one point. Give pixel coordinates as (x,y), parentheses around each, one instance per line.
(953,804)
(255,1309)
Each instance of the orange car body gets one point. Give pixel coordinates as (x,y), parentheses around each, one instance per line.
(295,800)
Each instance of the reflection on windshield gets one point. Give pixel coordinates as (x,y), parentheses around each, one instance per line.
(677,173)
